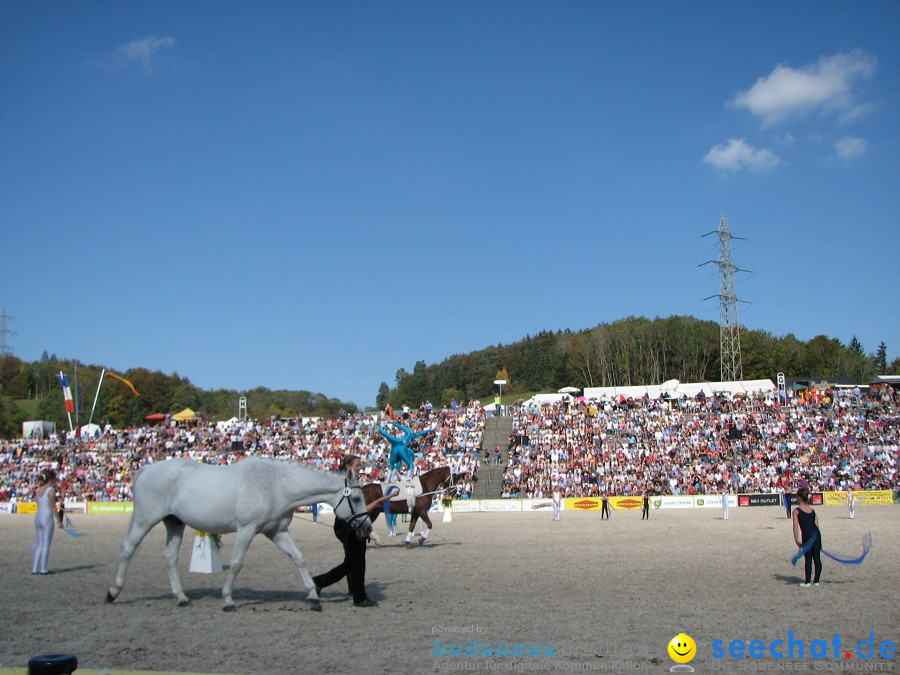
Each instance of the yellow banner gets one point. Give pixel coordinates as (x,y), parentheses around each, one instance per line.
(836,498)
(870,497)
(626,503)
(27,507)
(583,503)
(863,497)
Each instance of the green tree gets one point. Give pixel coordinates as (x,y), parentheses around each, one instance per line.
(383,396)
(894,367)
(881,359)
(11,418)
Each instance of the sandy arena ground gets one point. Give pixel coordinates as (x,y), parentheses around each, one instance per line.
(607,595)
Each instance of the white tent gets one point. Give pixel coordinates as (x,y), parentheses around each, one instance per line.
(675,389)
(544,399)
(227,424)
(90,431)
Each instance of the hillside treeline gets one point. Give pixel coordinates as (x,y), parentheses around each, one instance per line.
(35,387)
(634,350)
(630,351)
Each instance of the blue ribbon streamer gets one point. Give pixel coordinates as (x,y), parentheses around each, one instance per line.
(807,547)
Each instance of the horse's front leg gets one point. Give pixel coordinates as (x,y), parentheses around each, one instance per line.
(413,519)
(242,541)
(174,535)
(427,526)
(282,539)
(137,530)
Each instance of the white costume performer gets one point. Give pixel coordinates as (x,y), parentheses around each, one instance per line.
(557,504)
(725,505)
(43,525)
(851,503)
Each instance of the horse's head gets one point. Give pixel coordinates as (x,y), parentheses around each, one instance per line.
(443,477)
(351,507)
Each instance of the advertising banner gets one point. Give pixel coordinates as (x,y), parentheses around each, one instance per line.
(73,507)
(626,503)
(5,508)
(837,498)
(708,501)
(672,502)
(772,499)
(465,505)
(110,507)
(714,501)
(529,505)
(870,497)
(29,508)
(504,505)
(583,503)
(815,499)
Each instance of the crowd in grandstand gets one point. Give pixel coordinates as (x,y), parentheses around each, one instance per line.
(101,468)
(704,444)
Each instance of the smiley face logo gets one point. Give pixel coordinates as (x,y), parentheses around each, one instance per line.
(682,648)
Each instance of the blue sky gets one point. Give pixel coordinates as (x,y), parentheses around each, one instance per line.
(314,195)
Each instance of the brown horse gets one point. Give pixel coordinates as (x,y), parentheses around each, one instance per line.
(432,481)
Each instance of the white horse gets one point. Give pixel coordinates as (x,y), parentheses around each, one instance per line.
(251,496)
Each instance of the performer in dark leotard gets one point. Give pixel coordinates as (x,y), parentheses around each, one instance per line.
(806,527)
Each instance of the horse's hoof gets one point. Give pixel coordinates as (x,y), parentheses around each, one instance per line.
(184,603)
(110,597)
(315,605)
(409,544)
(229,608)
(420,542)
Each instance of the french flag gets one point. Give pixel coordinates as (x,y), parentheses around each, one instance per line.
(67,391)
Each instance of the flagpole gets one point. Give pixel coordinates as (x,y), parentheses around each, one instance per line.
(68,414)
(102,373)
(76,393)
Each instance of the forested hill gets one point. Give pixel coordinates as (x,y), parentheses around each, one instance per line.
(630,351)
(31,391)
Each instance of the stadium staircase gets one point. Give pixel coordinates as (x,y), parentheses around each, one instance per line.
(496,432)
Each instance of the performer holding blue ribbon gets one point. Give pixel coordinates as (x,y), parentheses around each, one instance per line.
(809,540)
(808,537)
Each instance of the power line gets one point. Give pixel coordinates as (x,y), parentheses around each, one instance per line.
(729,328)
(5,349)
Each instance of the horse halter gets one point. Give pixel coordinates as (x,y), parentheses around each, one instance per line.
(353,513)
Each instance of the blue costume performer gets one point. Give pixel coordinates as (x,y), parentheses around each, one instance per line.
(401,453)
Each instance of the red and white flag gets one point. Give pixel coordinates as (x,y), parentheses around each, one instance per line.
(67,391)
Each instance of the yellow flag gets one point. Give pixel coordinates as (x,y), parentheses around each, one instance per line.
(122,379)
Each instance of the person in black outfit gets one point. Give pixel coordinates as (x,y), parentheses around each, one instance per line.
(806,527)
(354,565)
(645,507)
(605,510)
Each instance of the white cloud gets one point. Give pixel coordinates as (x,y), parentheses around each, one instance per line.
(850,148)
(826,85)
(737,154)
(142,51)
